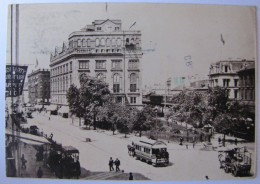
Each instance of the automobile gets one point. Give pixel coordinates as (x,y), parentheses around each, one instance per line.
(34,130)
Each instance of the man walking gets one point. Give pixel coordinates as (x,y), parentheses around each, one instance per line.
(117,163)
(110,163)
(23,162)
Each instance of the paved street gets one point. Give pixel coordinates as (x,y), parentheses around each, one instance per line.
(185,164)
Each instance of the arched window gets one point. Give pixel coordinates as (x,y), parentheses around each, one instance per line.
(79,43)
(113,42)
(133,82)
(127,41)
(118,42)
(108,42)
(116,83)
(84,44)
(101,77)
(97,42)
(103,42)
(88,42)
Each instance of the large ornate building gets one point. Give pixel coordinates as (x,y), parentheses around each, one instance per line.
(39,87)
(102,50)
(224,74)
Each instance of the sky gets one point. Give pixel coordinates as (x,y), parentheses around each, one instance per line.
(172,34)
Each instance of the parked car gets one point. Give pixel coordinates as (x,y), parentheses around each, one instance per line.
(34,130)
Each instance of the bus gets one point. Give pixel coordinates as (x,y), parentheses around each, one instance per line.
(151,151)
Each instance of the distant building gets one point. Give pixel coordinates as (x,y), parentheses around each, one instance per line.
(224,74)
(39,87)
(104,51)
(201,84)
(247,85)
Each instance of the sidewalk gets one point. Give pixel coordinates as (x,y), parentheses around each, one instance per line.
(32,165)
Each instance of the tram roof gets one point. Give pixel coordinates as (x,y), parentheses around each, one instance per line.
(152,143)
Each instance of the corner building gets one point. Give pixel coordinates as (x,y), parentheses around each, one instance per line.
(39,87)
(224,74)
(102,50)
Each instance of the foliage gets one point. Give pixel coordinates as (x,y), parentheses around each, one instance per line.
(84,102)
(144,119)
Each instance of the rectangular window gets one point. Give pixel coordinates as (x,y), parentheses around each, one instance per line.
(236,82)
(132,100)
(99,28)
(235,93)
(226,68)
(116,88)
(100,64)
(252,94)
(133,64)
(245,94)
(83,64)
(116,64)
(132,87)
(70,66)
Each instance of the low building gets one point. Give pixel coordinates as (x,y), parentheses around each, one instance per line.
(39,87)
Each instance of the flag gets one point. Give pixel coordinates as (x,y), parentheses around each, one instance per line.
(222,39)
(36,64)
(132,25)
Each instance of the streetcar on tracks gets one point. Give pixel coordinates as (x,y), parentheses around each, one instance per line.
(151,151)
(236,160)
(64,161)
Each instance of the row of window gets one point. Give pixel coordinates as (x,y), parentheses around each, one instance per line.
(61,84)
(115,28)
(102,42)
(61,69)
(116,64)
(226,82)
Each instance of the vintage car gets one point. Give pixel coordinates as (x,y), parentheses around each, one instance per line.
(236,160)
(150,151)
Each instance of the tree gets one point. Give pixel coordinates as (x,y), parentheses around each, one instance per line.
(85,101)
(74,101)
(144,119)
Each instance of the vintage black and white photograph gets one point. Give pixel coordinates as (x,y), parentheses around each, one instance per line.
(131,91)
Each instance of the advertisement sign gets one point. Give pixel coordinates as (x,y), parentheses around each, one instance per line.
(15,76)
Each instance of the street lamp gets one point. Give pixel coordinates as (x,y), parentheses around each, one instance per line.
(156,110)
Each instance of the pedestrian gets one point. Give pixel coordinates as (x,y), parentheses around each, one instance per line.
(235,141)
(111,163)
(23,162)
(131,176)
(117,163)
(39,172)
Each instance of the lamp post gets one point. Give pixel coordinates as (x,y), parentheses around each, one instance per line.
(156,110)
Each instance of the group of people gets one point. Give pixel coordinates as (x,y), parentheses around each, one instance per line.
(111,164)
(117,164)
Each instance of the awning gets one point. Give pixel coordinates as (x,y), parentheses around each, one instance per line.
(51,107)
(29,138)
(64,109)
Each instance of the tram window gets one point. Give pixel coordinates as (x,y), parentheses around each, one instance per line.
(155,151)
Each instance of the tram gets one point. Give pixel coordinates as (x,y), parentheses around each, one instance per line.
(151,151)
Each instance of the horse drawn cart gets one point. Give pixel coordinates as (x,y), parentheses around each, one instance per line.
(236,160)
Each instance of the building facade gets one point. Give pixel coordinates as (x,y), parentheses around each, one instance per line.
(102,50)
(39,87)
(247,86)
(224,74)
